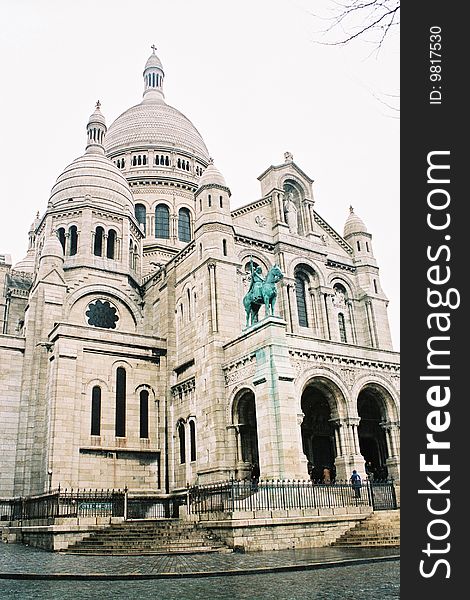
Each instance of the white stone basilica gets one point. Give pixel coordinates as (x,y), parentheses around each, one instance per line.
(124,351)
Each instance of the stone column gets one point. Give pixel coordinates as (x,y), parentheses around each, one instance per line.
(352,320)
(371,324)
(342,462)
(326,313)
(392,431)
(213,297)
(314,307)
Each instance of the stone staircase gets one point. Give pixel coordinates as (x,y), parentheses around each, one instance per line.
(382,529)
(162,536)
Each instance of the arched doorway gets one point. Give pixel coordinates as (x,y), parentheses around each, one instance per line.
(318,435)
(372,439)
(247,427)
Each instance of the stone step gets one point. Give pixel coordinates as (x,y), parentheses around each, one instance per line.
(163,536)
(379,529)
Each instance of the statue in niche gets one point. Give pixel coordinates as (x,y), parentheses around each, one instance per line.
(290,213)
(339,299)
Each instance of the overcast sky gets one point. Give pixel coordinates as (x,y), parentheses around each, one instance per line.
(249,75)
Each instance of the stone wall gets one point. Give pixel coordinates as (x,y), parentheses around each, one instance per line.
(282,530)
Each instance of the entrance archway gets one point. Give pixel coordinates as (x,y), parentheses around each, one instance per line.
(247,427)
(318,434)
(372,438)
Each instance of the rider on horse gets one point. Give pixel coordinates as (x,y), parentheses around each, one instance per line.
(256,283)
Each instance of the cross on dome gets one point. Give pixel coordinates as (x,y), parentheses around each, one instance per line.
(153,48)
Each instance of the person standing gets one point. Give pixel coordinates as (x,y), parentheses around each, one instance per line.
(255,473)
(356,483)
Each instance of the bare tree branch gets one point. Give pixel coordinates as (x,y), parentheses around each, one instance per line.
(371,20)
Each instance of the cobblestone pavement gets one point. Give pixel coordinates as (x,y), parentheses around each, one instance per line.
(376,581)
(18,559)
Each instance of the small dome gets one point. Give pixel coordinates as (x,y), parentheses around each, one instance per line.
(153,61)
(52,248)
(26,265)
(354,224)
(96,176)
(212,176)
(97,116)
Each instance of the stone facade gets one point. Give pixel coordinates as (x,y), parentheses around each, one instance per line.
(126,355)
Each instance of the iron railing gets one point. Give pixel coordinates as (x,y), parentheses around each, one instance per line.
(234,495)
(64,503)
(227,496)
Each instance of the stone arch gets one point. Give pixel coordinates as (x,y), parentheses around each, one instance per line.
(377,414)
(257,256)
(390,395)
(311,266)
(117,296)
(245,423)
(322,403)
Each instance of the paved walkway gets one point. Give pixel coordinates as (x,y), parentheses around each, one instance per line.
(22,562)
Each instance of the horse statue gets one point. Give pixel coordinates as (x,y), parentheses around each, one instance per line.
(262,291)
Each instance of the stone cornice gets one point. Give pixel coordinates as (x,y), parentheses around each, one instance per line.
(348,361)
(247,208)
(339,265)
(243,239)
(324,225)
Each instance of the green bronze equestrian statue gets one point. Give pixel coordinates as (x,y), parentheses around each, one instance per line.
(262,291)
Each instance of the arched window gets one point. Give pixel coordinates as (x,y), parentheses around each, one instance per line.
(167,161)
(342,328)
(131,255)
(61,236)
(141,215)
(301,300)
(367,246)
(144,414)
(121,402)
(359,245)
(375,287)
(182,441)
(221,200)
(98,243)
(111,244)
(184,225)
(188,293)
(96,410)
(209,200)
(192,439)
(135,264)
(73,235)
(224,247)
(162,222)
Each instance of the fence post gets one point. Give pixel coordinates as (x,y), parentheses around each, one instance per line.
(370,493)
(394,495)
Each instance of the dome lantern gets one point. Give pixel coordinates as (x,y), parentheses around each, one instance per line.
(153,78)
(96,130)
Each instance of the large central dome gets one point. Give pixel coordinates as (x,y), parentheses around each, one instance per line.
(154,124)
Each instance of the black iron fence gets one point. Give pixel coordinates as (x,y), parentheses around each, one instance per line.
(243,495)
(154,507)
(228,496)
(64,503)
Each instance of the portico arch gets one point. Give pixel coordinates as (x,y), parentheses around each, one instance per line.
(320,402)
(244,420)
(376,440)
